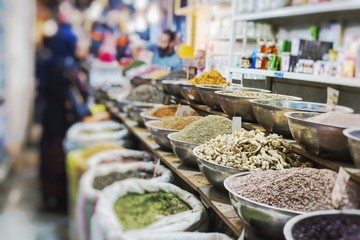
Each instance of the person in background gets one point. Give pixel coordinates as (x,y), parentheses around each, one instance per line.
(59,113)
(164,53)
(200,57)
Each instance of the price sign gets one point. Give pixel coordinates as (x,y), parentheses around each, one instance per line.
(332,97)
(236,124)
(339,189)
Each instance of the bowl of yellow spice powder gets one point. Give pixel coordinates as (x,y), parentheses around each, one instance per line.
(190,90)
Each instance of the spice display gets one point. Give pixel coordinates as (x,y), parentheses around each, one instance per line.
(211,77)
(204,129)
(249,94)
(328,227)
(297,189)
(100,182)
(168,111)
(137,211)
(145,93)
(176,123)
(337,119)
(251,151)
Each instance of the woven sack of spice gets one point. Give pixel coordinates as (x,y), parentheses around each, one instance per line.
(106,223)
(87,134)
(95,179)
(76,165)
(182,236)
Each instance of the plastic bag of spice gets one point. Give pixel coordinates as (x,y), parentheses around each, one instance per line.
(87,134)
(108,224)
(95,179)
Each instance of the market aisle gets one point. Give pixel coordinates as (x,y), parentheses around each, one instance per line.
(20,201)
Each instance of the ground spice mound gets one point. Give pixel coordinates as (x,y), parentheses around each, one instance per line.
(136,211)
(338,119)
(145,93)
(255,95)
(176,123)
(204,129)
(168,111)
(297,189)
(211,77)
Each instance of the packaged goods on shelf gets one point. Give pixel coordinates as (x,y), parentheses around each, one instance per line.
(106,223)
(97,178)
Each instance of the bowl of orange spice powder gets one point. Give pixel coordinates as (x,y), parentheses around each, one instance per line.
(162,112)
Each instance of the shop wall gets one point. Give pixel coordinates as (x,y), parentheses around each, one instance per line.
(19,74)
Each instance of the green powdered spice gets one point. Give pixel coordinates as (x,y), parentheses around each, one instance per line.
(204,129)
(136,211)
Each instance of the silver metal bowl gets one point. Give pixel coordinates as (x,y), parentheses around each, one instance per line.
(270,113)
(210,98)
(353,139)
(160,134)
(266,221)
(321,140)
(183,150)
(240,106)
(312,217)
(172,87)
(191,93)
(147,117)
(214,173)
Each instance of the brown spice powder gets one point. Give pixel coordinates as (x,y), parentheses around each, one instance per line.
(176,123)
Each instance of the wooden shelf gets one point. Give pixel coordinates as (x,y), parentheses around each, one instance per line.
(293,12)
(324,163)
(218,201)
(342,81)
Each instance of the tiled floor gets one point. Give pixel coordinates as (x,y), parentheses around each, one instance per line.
(20,218)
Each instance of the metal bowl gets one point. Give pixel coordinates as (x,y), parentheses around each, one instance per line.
(312,217)
(183,150)
(172,87)
(240,106)
(270,113)
(145,115)
(191,93)
(214,173)
(319,139)
(353,139)
(210,98)
(266,221)
(160,134)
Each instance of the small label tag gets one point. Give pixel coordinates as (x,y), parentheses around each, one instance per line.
(203,201)
(278,74)
(339,189)
(236,124)
(332,97)
(183,111)
(157,164)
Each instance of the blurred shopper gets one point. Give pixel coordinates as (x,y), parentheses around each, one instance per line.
(59,113)
(164,53)
(200,61)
